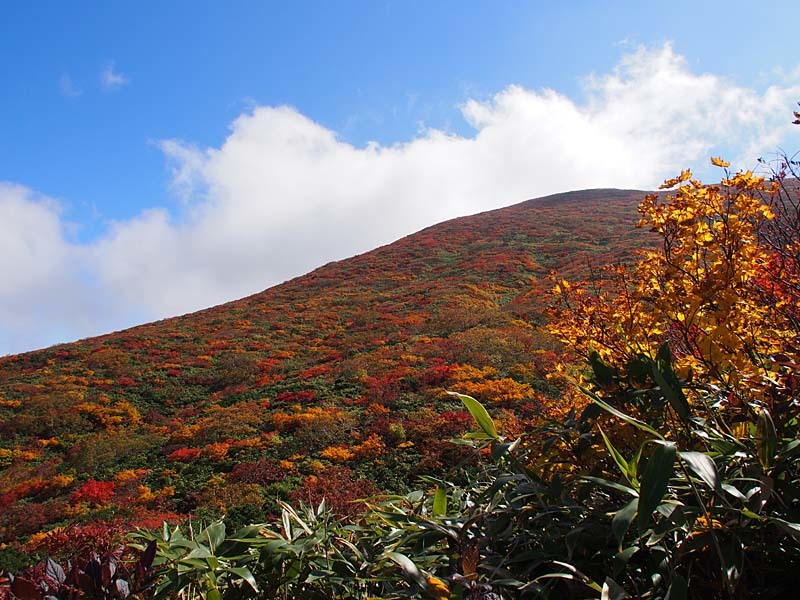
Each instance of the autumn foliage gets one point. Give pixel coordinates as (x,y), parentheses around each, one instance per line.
(721,288)
(693,355)
(345,367)
(643,429)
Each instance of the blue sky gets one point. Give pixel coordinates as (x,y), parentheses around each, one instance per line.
(185,146)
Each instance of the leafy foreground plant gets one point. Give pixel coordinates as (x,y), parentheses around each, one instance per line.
(311,555)
(114,575)
(720,522)
(678,480)
(695,348)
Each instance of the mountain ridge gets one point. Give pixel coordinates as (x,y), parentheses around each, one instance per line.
(340,372)
(569,196)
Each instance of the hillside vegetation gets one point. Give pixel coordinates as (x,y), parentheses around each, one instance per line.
(331,384)
(655,454)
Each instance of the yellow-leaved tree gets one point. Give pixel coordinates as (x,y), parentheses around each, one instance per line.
(713,289)
(694,356)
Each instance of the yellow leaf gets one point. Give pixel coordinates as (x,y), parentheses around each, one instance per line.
(718,162)
(437,588)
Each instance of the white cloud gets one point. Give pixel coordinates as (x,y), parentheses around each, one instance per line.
(112,80)
(283,194)
(68,87)
(45,296)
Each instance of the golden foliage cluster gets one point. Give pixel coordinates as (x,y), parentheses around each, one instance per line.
(702,290)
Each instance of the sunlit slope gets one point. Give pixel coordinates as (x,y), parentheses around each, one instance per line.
(329,384)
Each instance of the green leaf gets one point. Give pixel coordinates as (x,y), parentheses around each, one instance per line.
(500,450)
(573,538)
(627,418)
(478,413)
(622,558)
(249,532)
(213,594)
(622,520)
(440,502)
(733,491)
(290,512)
(215,534)
(199,551)
(766,439)
(622,464)
(655,482)
(590,413)
(197,564)
(638,369)
(669,384)
(410,570)
(733,552)
(793,529)
(703,467)
(633,465)
(244,573)
(573,575)
(751,515)
(287,525)
(613,485)
(476,435)
(790,449)
(678,589)
(612,590)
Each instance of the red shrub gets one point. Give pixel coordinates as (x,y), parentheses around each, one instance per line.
(93,492)
(317,371)
(22,519)
(263,472)
(437,375)
(99,536)
(340,488)
(184,455)
(301,397)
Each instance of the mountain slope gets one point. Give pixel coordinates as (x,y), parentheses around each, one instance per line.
(329,384)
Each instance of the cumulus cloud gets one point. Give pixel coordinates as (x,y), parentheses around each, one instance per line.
(283,194)
(111,80)
(44,296)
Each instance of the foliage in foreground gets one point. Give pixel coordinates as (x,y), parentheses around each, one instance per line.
(721,522)
(680,478)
